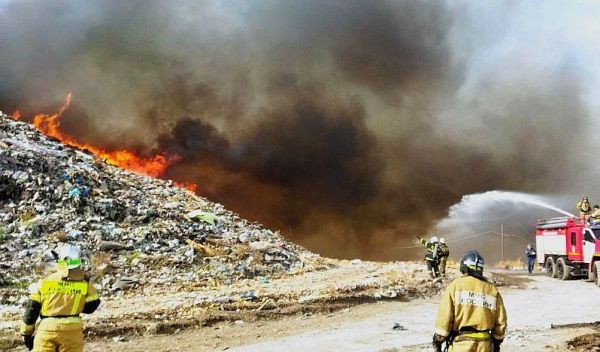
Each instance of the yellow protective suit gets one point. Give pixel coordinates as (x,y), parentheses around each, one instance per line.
(444,253)
(59,299)
(56,334)
(585,208)
(431,257)
(473,310)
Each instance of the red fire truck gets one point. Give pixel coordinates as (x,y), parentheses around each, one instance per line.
(569,247)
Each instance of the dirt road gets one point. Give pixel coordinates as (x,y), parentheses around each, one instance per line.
(531,311)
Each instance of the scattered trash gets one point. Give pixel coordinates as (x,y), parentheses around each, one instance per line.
(200,215)
(223,299)
(119,338)
(74,192)
(110,246)
(125,283)
(310,298)
(398,327)
(249,296)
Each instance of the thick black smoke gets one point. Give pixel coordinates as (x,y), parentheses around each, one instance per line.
(350,125)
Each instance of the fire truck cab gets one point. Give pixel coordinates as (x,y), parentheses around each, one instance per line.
(569,247)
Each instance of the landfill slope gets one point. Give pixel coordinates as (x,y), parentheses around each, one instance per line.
(50,193)
(159,254)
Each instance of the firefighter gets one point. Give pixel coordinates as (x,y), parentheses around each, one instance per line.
(584,208)
(595,215)
(444,253)
(471,316)
(530,254)
(431,255)
(58,299)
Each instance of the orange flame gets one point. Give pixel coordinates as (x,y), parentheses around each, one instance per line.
(16,115)
(187,185)
(154,166)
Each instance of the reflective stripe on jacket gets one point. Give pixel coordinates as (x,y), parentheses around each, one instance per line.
(432,250)
(584,207)
(471,303)
(60,295)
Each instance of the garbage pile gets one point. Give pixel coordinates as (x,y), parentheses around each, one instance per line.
(159,254)
(135,231)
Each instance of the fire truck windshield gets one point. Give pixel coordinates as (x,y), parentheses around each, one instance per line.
(596,234)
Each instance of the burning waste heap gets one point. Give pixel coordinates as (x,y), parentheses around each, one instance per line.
(141,229)
(146,239)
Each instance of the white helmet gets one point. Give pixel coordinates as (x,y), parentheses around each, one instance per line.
(442,240)
(70,255)
(433,239)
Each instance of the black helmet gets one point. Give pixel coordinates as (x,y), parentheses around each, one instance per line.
(472,264)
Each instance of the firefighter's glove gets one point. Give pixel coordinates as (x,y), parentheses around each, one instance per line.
(28,341)
(437,342)
(497,344)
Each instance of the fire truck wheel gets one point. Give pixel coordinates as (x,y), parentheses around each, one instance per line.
(563,271)
(597,264)
(550,267)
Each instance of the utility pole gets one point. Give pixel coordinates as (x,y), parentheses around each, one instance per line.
(502,240)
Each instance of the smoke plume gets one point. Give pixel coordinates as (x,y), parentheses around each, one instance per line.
(351,126)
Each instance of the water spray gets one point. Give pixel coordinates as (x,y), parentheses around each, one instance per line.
(471,206)
(472,203)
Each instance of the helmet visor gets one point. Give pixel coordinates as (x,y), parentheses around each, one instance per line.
(474,265)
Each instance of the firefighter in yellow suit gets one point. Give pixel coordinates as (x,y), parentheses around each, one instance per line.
(431,256)
(585,208)
(58,300)
(471,316)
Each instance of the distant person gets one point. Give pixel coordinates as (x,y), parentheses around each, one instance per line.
(59,299)
(431,255)
(585,208)
(471,316)
(595,215)
(530,254)
(444,253)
